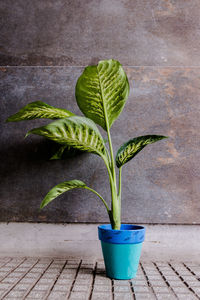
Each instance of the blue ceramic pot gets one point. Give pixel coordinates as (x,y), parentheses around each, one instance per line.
(121,249)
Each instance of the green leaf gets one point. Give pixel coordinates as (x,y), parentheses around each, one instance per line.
(66,186)
(102,91)
(59,153)
(60,189)
(130,149)
(78,132)
(39,110)
(65,152)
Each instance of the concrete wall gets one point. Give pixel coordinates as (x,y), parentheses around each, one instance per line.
(162,242)
(44,46)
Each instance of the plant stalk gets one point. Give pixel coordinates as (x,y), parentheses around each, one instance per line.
(120,186)
(112,157)
(115,214)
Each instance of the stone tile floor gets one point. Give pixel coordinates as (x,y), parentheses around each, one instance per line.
(58,279)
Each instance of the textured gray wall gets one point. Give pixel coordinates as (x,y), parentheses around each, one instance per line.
(44,46)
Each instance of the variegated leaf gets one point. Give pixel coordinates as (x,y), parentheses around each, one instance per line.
(128,150)
(65,152)
(102,91)
(59,153)
(60,189)
(78,132)
(39,110)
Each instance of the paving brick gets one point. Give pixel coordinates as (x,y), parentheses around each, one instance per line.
(62,288)
(174,283)
(22,269)
(15,275)
(68,271)
(101,296)
(196,289)
(10,265)
(64,281)
(9,280)
(122,288)
(158,283)
(6,269)
(141,289)
(41,287)
(144,296)
(183,290)
(136,282)
(45,280)
(186,297)
(102,288)
(165,297)
(102,280)
(33,275)
(36,294)
(5,286)
(2,292)
(79,295)
(73,262)
(124,296)
(80,288)
(22,287)
(188,278)
(16,294)
(171,277)
(195,283)
(163,290)
(57,296)
(28,280)
(66,277)
(82,276)
(85,281)
(48,275)
(155,277)
(70,267)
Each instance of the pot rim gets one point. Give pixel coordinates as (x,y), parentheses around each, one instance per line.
(108,227)
(129,234)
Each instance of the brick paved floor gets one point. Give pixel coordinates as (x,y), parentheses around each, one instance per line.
(58,279)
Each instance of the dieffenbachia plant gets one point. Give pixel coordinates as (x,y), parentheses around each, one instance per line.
(101,93)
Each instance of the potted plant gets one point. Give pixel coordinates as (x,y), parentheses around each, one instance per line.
(101,93)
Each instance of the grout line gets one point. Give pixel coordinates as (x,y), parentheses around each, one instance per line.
(193,273)
(36,281)
(55,280)
(132,290)
(13,269)
(18,280)
(147,279)
(79,266)
(93,281)
(165,280)
(185,283)
(112,289)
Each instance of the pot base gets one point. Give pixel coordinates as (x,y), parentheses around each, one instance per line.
(121,260)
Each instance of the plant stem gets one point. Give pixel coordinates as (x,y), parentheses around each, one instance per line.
(115,214)
(120,185)
(112,159)
(104,202)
